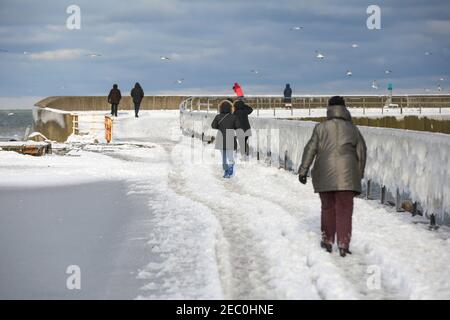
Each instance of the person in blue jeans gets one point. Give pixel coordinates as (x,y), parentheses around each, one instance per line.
(226,123)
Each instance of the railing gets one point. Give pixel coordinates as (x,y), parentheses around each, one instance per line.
(404,164)
(276,103)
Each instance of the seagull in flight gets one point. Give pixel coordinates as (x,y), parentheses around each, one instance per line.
(387,71)
(349,73)
(375,84)
(296,28)
(94,55)
(255,71)
(319,55)
(355,45)
(179,81)
(26,53)
(164,58)
(428,53)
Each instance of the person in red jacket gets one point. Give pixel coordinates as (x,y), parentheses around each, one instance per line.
(238,90)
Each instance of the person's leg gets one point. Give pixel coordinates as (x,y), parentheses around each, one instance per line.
(328,217)
(230,161)
(224,160)
(247,148)
(136,109)
(344,211)
(117,108)
(112,109)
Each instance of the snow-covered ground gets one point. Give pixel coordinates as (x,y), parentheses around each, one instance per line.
(149,217)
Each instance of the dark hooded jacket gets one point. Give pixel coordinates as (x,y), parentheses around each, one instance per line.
(287,94)
(114,95)
(137,93)
(226,123)
(339,151)
(242,111)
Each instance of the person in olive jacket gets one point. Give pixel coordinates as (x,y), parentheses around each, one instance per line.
(226,123)
(242,111)
(114,99)
(137,94)
(339,154)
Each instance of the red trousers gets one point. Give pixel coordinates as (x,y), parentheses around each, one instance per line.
(337,210)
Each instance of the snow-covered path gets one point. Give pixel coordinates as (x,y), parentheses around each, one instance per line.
(255,236)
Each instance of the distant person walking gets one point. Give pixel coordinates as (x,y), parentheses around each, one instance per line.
(226,123)
(339,151)
(137,94)
(114,99)
(287,96)
(242,111)
(238,90)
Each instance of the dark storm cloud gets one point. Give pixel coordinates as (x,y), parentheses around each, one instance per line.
(214,43)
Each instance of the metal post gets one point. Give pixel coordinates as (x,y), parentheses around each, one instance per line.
(208,106)
(257,144)
(257,108)
(433,222)
(398,201)
(383,194)
(368,189)
(414,209)
(285,160)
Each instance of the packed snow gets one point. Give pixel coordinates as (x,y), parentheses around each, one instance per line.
(186,233)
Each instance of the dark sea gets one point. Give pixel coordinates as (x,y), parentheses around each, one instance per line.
(14,123)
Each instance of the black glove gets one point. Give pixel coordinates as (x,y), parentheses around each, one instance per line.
(302,179)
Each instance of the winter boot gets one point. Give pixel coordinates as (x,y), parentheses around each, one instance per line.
(326,246)
(231,170)
(344,251)
(226,175)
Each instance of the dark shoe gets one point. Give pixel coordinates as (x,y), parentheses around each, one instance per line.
(326,246)
(343,252)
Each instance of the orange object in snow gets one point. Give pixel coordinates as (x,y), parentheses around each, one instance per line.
(108,128)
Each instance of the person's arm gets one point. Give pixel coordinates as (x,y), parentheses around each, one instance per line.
(120,96)
(361,152)
(109,96)
(248,109)
(309,153)
(215,123)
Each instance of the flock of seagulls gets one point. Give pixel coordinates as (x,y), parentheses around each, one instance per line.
(319,56)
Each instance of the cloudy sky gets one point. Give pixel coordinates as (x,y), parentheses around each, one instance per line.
(212,44)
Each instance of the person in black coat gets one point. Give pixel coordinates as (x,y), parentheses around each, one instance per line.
(287,96)
(226,123)
(114,98)
(137,94)
(241,111)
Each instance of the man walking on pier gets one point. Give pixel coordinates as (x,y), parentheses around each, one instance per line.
(137,94)
(339,151)
(287,96)
(114,99)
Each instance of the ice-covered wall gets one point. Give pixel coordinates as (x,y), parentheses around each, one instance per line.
(417,163)
(55,124)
